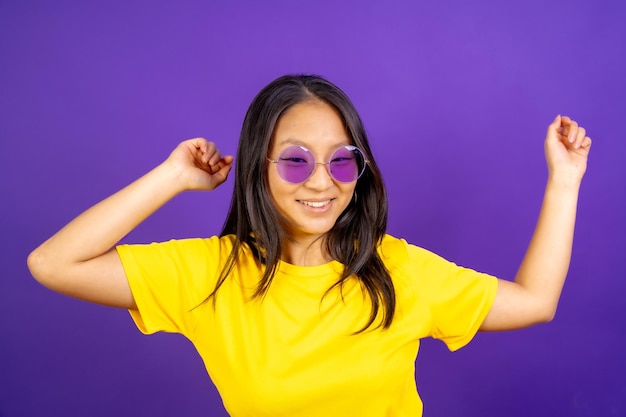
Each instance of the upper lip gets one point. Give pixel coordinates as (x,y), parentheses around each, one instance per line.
(315,200)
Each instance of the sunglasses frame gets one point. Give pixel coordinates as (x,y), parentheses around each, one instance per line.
(350,148)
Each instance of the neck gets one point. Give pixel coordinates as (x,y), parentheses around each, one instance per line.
(305,252)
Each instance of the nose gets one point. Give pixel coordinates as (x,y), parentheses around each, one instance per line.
(320,178)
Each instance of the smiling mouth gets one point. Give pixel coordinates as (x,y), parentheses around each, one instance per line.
(316,204)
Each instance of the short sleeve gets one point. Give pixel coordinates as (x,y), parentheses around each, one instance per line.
(458,298)
(463,307)
(168,280)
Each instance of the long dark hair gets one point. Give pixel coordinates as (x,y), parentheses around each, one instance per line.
(255,222)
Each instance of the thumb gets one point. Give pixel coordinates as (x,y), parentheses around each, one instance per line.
(556,123)
(555,128)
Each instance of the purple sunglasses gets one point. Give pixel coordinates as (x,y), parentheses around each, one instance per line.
(296,164)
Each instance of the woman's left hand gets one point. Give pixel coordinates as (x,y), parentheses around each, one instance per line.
(567,147)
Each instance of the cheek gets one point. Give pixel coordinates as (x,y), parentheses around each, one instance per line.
(348,193)
(273,183)
(279,190)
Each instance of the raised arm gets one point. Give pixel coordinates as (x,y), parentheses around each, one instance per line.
(80,259)
(534,295)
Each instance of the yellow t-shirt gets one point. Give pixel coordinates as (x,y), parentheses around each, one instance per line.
(293,352)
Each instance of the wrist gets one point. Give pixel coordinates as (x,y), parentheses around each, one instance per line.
(170,178)
(562,188)
(564,180)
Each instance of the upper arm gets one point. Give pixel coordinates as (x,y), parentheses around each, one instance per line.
(100,280)
(514,308)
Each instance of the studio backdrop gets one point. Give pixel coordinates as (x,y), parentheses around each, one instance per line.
(456,97)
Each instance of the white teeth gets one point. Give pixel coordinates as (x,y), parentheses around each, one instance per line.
(315,203)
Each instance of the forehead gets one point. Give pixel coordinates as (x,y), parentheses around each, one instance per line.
(311,124)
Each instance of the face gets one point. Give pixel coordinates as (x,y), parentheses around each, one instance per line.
(313,206)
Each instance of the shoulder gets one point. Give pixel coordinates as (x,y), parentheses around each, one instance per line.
(392,247)
(188,248)
(415,265)
(396,253)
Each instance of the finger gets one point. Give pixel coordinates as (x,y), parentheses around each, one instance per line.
(572,131)
(570,128)
(580,136)
(210,153)
(566,120)
(204,147)
(562,122)
(215,157)
(197,146)
(220,164)
(198,143)
(222,169)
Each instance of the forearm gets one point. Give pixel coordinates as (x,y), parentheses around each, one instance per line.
(98,229)
(80,261)
(546,263)
(534,295)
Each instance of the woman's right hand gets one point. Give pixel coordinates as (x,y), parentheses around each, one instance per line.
(199,164)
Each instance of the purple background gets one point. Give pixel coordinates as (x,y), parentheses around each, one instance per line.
(456,97)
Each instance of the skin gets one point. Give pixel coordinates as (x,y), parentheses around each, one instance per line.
(80,259)
(534,295)
(316,126)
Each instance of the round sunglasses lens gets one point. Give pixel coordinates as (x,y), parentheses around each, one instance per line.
(347,164)
(295,164)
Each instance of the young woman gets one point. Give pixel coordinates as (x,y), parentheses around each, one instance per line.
(303,306)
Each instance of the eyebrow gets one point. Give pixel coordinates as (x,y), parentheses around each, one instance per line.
(295,141)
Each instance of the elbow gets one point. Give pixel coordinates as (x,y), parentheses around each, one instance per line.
(545,319)
(546,314)
(40,267)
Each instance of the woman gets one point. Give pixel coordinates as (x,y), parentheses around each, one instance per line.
(303,306)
